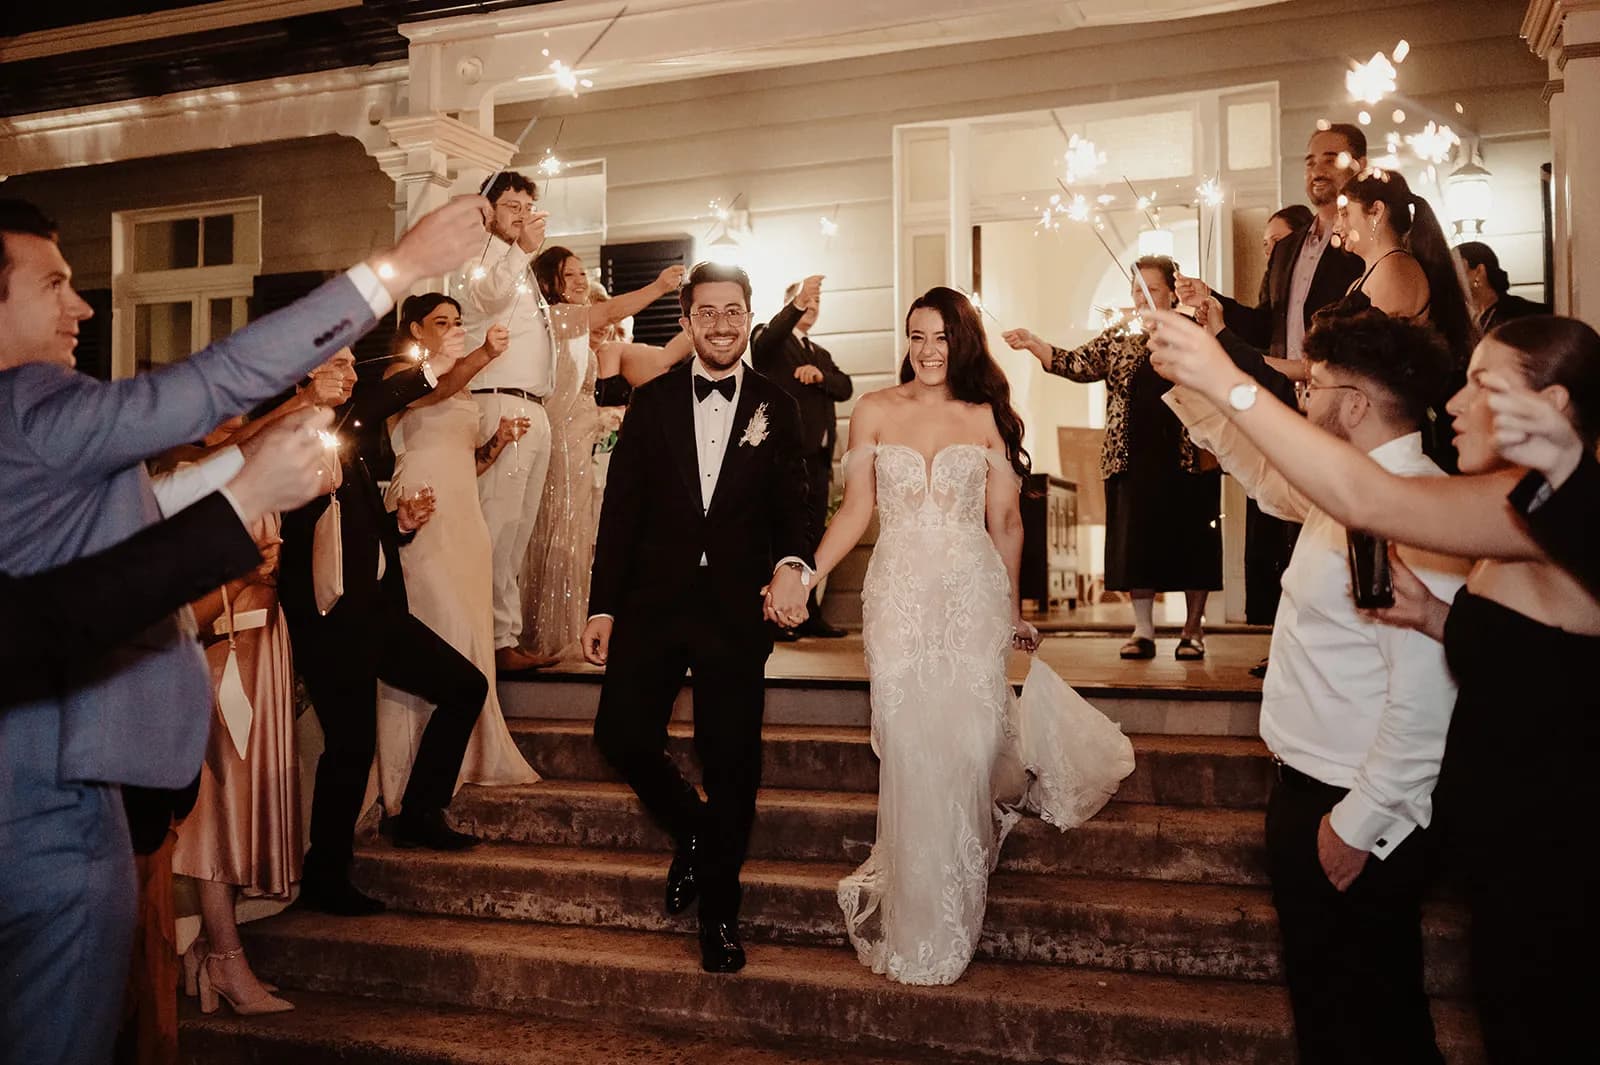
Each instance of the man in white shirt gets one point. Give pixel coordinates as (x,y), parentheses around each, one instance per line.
(500,288)
(1354,711)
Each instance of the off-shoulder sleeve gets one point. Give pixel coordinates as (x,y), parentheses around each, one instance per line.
(998,463)
(857,461)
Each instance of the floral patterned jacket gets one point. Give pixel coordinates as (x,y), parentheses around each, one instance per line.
(1115,357)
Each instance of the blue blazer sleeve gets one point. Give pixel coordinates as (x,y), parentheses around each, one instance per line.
(86,429)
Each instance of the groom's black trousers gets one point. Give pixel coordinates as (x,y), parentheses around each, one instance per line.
(644,672)
(1354,960)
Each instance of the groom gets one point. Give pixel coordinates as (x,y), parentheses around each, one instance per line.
(705,507)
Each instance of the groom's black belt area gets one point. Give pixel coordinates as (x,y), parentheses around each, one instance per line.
(1288,774)
(519,393)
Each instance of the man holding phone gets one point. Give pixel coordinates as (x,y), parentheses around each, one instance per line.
(1354,711)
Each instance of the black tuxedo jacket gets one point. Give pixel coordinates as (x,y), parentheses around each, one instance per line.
(653,528)
(366,524)
(70,615)
(1267,326)
(777,352)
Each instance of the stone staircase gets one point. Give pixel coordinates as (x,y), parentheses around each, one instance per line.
(1145,936)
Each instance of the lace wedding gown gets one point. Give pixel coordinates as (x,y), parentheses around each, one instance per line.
(960,755)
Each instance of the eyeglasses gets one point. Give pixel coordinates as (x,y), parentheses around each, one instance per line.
(710,316)
(1303,390)
(514,207)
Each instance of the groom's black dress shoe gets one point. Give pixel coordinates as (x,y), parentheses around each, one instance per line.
(336,895)
(429,830)
(720,949)
(815,626)
(682,885)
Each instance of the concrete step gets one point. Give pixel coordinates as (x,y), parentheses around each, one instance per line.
(999,1011)
(341,1030)
(1131,925)
(1126,840)
(1175,770)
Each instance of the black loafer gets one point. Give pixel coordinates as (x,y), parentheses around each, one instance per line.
(720,949)
(683,887)
(428,830)
(815,626)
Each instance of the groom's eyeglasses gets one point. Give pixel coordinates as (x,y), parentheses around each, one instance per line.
(709,316)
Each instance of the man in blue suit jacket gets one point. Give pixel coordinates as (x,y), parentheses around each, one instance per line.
(72,481)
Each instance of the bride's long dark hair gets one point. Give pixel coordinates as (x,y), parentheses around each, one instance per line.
(970,371)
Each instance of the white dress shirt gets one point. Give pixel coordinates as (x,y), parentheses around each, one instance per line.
(1300,278)
(1351,702)
(528,362)
(713,423)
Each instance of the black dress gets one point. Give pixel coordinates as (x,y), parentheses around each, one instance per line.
(1163,526)
(1516,801)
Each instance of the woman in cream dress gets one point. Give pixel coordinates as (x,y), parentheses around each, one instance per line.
(447,564)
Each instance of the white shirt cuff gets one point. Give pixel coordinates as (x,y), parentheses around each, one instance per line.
(365,278)
(609,617)
(187,485)
(782,562)
(1366,826)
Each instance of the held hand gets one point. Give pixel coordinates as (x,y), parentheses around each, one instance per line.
(413,512)
(1185,354)
(1530,431)
(1415,607)
(289,466)
(1341,863)
(440,242)
(497,340)
(810,292)
(786,598)
(1209,314)
(671,279)
(596,641)
(267,572)
(808,375)
(323,389)
(531,238)
(1024,340)
(1024,636)
(510,431)
(1192,290)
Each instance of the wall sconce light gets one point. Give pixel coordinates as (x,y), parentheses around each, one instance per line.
(1468,197)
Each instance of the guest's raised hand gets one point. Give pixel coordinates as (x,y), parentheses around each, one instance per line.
(1185,354)
(810,292)
(1415,606)
(510,431)
(289,466)
(1192,290)
(496,340)
(440,242)
(531,238)
(413,512)
(808,375)
(323,389)
(596,640)
(1530,430)
(671,279)
(1024,340)
(1341,863)
(1209,314)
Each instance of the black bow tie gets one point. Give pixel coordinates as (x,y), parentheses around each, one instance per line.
(704,386)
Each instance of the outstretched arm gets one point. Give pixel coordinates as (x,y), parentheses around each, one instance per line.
(1466,516)
(628,304)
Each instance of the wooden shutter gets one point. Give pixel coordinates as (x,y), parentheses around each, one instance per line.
(626,267)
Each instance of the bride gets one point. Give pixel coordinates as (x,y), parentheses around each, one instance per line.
(941,456)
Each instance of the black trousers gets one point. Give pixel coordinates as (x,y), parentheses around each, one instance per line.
(1268,543)
(819,486)
(1353,960)
(341,659)
(645,670)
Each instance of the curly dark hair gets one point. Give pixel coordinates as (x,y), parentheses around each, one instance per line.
(1407,361)
(509,179)
(972,373)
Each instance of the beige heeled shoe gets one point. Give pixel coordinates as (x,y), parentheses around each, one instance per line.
(211,993)
(195,959)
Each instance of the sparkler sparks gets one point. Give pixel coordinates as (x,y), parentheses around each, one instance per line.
(1210,192)
(1434,144)
(1371,81)
(1083,159)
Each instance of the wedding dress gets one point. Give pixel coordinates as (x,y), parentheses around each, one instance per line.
(960,755)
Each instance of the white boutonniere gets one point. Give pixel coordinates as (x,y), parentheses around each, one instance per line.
(756,431)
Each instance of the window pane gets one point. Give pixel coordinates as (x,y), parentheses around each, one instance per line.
(221,318)
(1250,135)
(218,231)
(161,334)
(173,245)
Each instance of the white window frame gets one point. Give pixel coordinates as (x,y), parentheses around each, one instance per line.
(197,285)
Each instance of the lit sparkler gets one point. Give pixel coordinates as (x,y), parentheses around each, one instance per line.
(1371,81)
(1434,144)
(1083,159)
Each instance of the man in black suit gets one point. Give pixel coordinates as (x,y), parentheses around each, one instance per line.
(705,507)
(783,350)
(369,635)
(68,616)
(1305,273)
